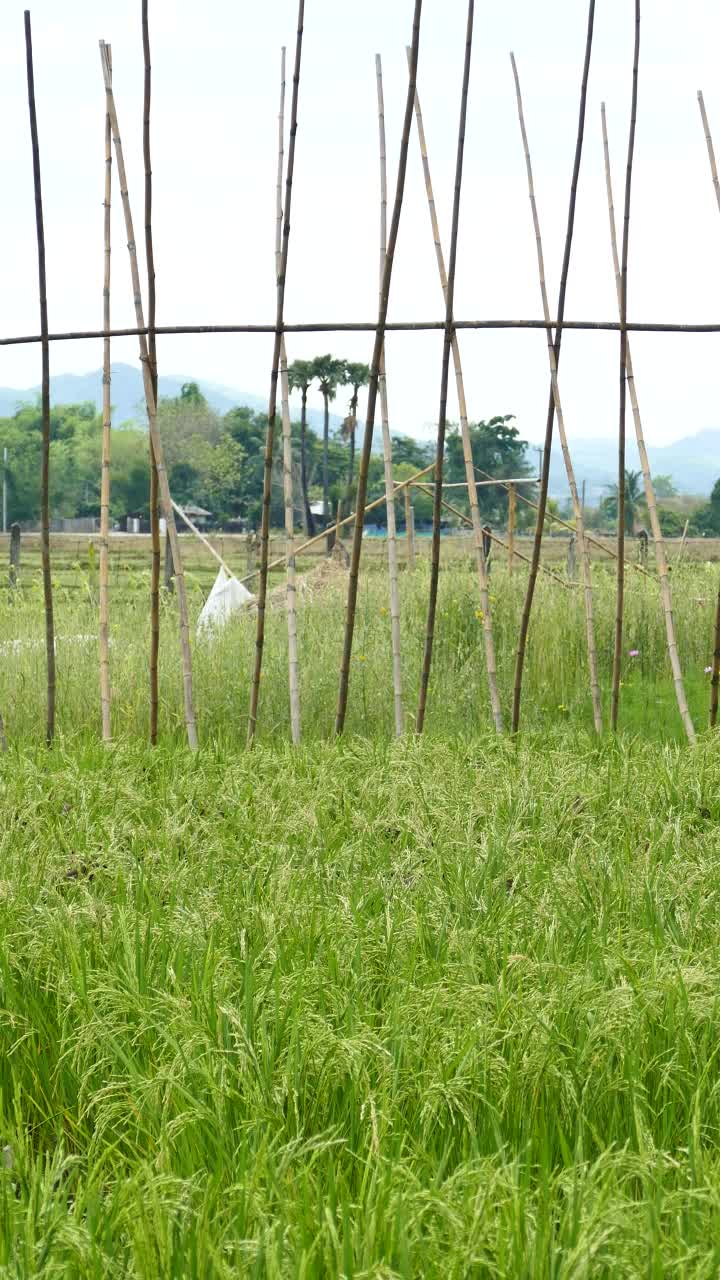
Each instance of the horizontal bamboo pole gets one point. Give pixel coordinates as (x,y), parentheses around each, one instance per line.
(483,484)
(320,537)
(362,326)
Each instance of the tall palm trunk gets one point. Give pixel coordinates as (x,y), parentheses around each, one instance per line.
(307,513)
(326,446)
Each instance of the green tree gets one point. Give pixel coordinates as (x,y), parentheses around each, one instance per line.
(300,377)
(707,519)
(634,499)
(329,373)
(664,487)
(356,376)
(497,451)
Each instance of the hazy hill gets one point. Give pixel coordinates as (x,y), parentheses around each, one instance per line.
(128,397)
(693,463)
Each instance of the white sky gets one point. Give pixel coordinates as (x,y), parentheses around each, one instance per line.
(214,159)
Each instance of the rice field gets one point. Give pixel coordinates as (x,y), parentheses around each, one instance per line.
(431,1007)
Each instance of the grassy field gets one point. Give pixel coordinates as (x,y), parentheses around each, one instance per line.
(376,1008)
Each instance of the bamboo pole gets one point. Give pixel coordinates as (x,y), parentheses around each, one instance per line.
(373,386)
(465,434)
(715,677)
(512,516)
(293,660)
(205,541)
(272,406)
(392,547)
(45,394)
(152,357)
(549,425)
(620,599)
(410,530)
(105,692)
(155,438)
(320,537)
(659,541)
(577,508)
(448,506)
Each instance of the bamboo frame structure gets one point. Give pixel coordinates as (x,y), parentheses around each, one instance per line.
(45,394)
(557,325)
(512,519)
(105,690)
(555,386)
(483,587)
(378,348)
(163,485)
(449,294)
(293,661)
(392,547)
(272,407)
(660,552)
(620,601)
(715,676)
(152,356)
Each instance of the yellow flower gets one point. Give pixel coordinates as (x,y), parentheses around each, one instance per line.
(479,615)
(362,658)
(383,612)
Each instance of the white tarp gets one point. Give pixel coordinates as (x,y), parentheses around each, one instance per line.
(227,597)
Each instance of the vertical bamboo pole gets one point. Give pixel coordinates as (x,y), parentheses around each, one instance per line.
(465,434)
(577,509)
(620,600)
(373,386)
(659,541)
(547,448)
(387,442)
(155,438)
(293,661)
(272,406)
(152,356)
(512,516)
(45,395)
(410,530)
(105,465)
(715,678)
(482,568)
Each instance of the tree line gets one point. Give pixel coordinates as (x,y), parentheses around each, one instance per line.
(215,460)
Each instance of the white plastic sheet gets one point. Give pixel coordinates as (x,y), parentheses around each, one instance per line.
(227,597)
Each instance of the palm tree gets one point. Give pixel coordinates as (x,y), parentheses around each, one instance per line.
(634,497)
(300,376)
(330,374)
(356,376)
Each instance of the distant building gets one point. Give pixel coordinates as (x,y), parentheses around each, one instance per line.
(198,515)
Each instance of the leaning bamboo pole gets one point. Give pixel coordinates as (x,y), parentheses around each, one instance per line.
(152,356)
(512,518)
(660,552)
(620,594)
(105,692)
(445,378)
(483,587)
(155,439)
(715,677)
(400,487)
(45,394)
(392,547)
(577,508)
(293,661)
(272,406)
(378,347)
(549,425)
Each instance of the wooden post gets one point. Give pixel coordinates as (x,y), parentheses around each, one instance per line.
(378,348)
(169,568)
(152,358)
(14,554)
(512,509)
(163,484)
(410,530)
(45,400)
(105,691)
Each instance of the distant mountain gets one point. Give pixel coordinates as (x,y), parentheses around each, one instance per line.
(128,397)
(693,463)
